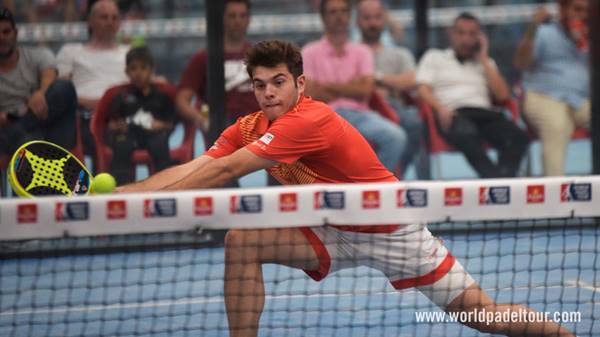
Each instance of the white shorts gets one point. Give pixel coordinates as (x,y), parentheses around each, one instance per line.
(409,257)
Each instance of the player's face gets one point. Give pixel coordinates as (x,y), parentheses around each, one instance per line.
(8,39)
(105,21)
(139,73)
(370,20)
(465,38)
(236,21)
(275,90)
(336,16)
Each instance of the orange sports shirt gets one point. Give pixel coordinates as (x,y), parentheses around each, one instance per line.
(311,144)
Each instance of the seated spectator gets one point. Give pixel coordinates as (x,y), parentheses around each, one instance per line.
(394,77)
(555,59)
(94,66)
(340,73)
(459,84)
(140,117)
(239,97)
(33,104)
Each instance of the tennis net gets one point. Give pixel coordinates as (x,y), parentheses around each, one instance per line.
(154,264)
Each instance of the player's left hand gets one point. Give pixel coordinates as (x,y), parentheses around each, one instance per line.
(37,104)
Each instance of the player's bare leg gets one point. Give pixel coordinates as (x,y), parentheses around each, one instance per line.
(474,298)
(245,252)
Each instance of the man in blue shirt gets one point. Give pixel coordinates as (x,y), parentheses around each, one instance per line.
(554,57)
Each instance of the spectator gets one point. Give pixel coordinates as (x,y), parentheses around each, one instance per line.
(239,99)
(96,65)
(555,58)
(33,104)
(459,84)
(140,116)
(394,76)
(340,73)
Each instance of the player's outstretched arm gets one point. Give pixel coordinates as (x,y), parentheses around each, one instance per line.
(220,171)
(166,177)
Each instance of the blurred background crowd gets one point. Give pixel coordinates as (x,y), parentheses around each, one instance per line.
(158,49)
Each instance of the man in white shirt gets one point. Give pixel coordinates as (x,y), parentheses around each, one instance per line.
(460,84)
(96,65)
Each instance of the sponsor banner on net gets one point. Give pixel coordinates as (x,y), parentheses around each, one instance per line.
(501,316)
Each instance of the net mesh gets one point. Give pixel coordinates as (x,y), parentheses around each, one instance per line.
(172,284)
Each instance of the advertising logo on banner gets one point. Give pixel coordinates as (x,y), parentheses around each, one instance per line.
(536,194)
(453,196)
(371,199)
(71,211)
(331,200)
(203,206)
(116,209)
(288,202)
(412,197)
(160,208)
(495,195)
(27,213)
(573,192)
(245,204)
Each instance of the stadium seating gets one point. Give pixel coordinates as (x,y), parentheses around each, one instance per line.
(378,103)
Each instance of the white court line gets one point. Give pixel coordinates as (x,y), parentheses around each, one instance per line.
(583,285)
(219,299)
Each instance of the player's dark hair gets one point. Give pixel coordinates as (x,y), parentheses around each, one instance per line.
(140,54)
(466,16)
(272,53)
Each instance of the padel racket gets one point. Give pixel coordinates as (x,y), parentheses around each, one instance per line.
(40,168)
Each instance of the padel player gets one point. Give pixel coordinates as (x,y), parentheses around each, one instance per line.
(302,141)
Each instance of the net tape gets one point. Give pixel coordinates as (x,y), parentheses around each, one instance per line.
(308,205)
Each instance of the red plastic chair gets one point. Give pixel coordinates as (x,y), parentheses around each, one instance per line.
(379,104)
(183,153)
(78,149)
(437,144)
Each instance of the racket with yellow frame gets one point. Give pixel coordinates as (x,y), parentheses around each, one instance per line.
(40,168)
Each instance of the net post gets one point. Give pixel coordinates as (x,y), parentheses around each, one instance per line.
(216,68)
(421,26)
